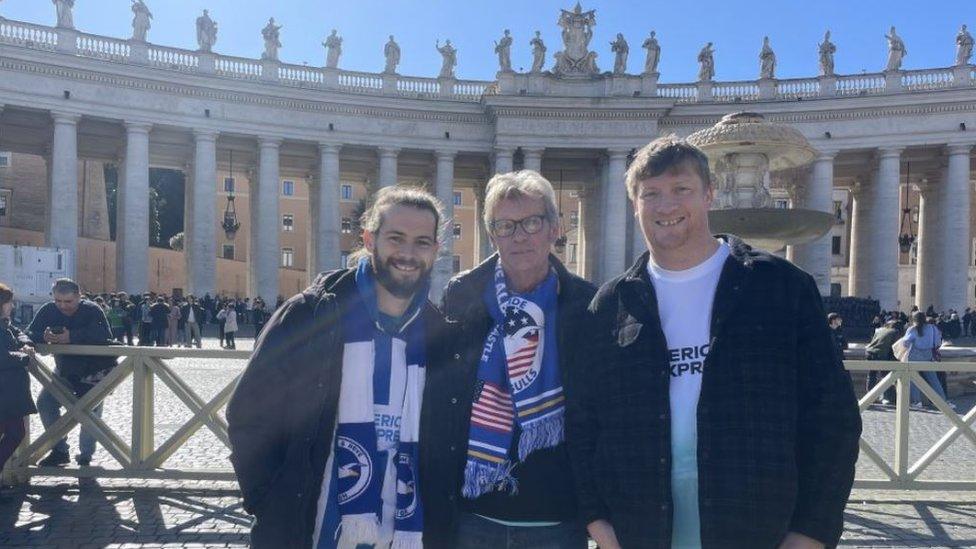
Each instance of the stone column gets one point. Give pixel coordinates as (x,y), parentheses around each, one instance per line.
(326,217)
(881,226)
(927,262)
(132,217)
(444,188)
(615,215)
(856,272)
(503,159)
(483,247)
(637,243)
(63,198)
(265,253)
(388,166)
(955,237)
(817,194)
(200,244)
(532,159)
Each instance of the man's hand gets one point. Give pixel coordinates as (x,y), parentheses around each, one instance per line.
(56,339)
(602,533)
(794,540)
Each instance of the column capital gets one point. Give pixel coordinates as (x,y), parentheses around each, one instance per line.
(445,154)
(137,127)
(890,152)
(269,142)
(618,152)
(205,134)
(501,150)
(959,148)
(825,155)
(65,117)
(535,151)
(329,147)
(388,151)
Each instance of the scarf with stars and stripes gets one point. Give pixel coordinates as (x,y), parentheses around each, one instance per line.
(518,384)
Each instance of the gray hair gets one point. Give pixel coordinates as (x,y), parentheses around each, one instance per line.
(65,286)
(517,185)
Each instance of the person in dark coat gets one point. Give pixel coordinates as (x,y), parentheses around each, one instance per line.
(521,217)
(16,402)
(159,313)
(346,346)
(714,411)
(879,348)
(70,320)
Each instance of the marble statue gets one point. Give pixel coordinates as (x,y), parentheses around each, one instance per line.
(206,32)
(576,59)
(538,52)
(622,50)
(333,43)
(141,20)
(827,51)
(504,50)
(767,60)
(449,59)
(706,63)
(964,47)
(392,53)
(896,51)
(271,34)
(653,54)
(65,18)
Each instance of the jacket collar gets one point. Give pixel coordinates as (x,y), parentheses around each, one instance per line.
(639,299)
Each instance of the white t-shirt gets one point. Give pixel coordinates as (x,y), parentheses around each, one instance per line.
(685,301)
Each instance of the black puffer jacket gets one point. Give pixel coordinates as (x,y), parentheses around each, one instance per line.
(15,395)
(282,416)
(546,491)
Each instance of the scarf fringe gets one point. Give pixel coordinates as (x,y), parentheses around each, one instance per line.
(407,540)
(480,478)
(545,433)
(358,530)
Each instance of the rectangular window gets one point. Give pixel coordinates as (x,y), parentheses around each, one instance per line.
(346,225)
(288,223)
(5,198)
(347,192)
(839,211)
(457,264)
(835,289)
(287,257)
(344,259)
(781,204)
(228,251)
(913,290)
(5,159)
(288,188)
(835,245)
(572,253)
(574,219)
(457,231)
(457,198)
(228,184)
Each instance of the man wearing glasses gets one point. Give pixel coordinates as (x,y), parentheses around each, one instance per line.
(495,466)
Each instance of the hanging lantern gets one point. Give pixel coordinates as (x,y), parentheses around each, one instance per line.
(906,235)
(230,224)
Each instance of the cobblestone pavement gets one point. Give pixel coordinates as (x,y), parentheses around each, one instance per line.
(73,513)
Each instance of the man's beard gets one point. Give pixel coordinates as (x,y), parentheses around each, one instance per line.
(384,271)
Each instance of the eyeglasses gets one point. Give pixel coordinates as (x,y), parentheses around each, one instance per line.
(506,227)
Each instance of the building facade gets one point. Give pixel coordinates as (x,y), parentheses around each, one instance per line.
(886,142)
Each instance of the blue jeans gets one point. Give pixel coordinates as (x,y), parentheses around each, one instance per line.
(475,532)
(933,379)
(49,409)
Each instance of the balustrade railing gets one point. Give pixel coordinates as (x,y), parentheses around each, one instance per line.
(860,84)
(27,35)
(797,88)
(173,59)
(100,47)
(237,67)
(141,457)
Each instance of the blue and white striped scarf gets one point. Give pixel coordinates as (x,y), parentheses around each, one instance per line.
(354,502)
(518,381)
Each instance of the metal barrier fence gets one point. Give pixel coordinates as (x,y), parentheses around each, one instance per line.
(141,458)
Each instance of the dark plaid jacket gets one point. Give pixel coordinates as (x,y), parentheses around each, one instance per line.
(778,423)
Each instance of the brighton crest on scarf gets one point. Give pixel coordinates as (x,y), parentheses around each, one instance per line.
(518,384)
(361,472)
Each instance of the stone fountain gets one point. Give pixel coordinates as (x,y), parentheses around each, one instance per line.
(742,149)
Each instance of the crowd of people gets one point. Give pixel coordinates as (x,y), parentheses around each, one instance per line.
(178,321)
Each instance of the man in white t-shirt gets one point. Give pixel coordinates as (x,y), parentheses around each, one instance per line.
(714,413)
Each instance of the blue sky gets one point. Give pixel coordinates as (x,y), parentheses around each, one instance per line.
(736,27)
